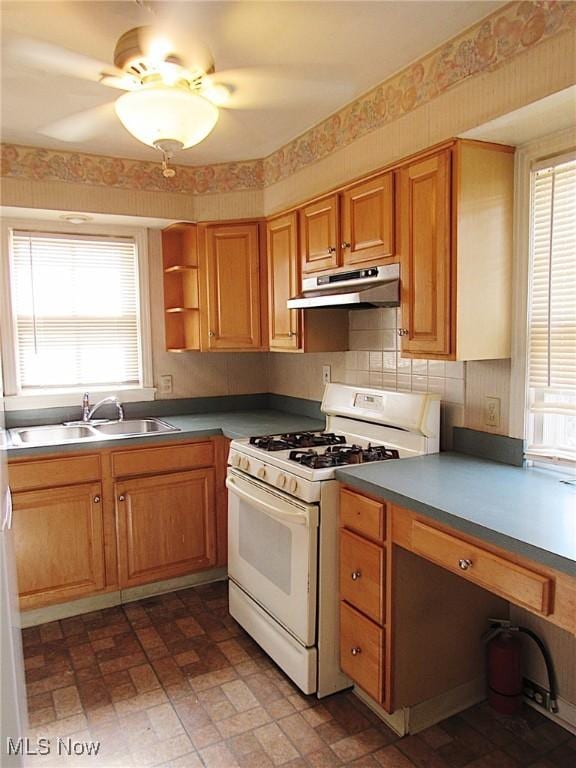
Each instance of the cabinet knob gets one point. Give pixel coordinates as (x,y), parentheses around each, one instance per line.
(403,331)
(345,245)
(355,575)
(332,249)
(211,334)
(356,651)
(292,333)
(96,499)
(121,497)
(464,564)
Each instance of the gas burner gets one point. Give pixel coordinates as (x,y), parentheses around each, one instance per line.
(270,443)
(313,439)
(355,454)
(296,440)
(340,455)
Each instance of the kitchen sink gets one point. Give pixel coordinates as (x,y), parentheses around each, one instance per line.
(51,435)
(56,434)
(134,427)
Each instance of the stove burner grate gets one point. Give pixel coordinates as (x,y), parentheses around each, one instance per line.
(296,440)
(340,455)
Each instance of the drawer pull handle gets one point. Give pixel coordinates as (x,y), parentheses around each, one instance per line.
(464,564)
(355,575)
(356,651)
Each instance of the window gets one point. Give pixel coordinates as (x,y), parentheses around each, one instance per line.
(551,344)
(75,319)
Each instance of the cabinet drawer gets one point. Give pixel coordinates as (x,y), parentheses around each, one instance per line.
(362,651)
(51,473)
(362,514)
(503,577)
(148,461)
(362,575)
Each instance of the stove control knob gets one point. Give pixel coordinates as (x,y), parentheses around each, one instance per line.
(293,485)
(235,461)
(281,480)
(244,464)
(261,473)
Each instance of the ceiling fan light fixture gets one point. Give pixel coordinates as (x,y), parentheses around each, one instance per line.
(160,113)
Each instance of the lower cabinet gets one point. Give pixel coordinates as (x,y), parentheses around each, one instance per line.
(87,524)
(59,543)
(166,526)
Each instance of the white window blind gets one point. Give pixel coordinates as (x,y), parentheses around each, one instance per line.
(552,312)
(76,310)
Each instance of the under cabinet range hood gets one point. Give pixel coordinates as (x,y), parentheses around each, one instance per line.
(359,288)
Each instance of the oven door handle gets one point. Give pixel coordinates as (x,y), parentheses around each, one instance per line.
(294,518)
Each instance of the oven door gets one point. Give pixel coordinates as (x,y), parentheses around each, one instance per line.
(273,552)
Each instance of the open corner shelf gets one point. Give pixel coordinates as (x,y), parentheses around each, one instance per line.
(180,265)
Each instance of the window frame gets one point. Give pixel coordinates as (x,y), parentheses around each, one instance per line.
(528,158)
(14,398)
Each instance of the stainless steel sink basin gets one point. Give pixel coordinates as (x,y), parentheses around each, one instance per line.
(51,435)
(56,434)
(134,427)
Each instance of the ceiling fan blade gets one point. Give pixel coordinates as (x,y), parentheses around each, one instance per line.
(252,88)
(53,58)
(83,125)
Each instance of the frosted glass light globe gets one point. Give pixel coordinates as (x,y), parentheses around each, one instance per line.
(158,113)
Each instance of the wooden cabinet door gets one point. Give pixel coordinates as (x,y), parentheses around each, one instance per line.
(424,215)
(282,242)
(319,241)
(166,526)
(59,544)
(232,273)
(368,221)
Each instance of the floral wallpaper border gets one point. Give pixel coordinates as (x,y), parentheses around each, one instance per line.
(482,48)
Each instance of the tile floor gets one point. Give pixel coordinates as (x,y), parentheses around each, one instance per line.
(174,681)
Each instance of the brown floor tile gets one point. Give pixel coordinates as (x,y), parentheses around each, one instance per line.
(276,744)
(302,735)
(66,701)
(143,678)
(218,756)
(391,757)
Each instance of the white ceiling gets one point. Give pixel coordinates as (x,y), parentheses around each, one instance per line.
(303,60)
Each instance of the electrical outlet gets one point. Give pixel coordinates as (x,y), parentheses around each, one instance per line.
(492,412)
(326,374)
(165,384)
(537,693)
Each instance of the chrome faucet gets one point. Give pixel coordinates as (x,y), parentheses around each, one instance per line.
(88,412)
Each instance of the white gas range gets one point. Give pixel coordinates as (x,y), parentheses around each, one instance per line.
(283,522)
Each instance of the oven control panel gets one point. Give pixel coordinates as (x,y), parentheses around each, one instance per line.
(283,480)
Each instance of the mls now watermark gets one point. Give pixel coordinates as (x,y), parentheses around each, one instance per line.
(58,746)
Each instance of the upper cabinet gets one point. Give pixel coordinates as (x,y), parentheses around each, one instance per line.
(455,247)
(353,228)
(283,281)
(367,216)
(293,330)
(424,212)
(319,235)
(233,279)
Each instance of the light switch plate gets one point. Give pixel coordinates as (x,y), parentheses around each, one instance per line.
(165,384)
(326,379)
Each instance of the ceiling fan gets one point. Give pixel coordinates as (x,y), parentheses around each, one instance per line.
(171,100)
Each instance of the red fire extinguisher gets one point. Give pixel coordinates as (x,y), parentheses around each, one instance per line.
(504,667)
(503,651)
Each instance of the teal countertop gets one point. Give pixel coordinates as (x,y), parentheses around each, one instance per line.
(234,424)
(527,511)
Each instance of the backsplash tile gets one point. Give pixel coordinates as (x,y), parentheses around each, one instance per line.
(375,361)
